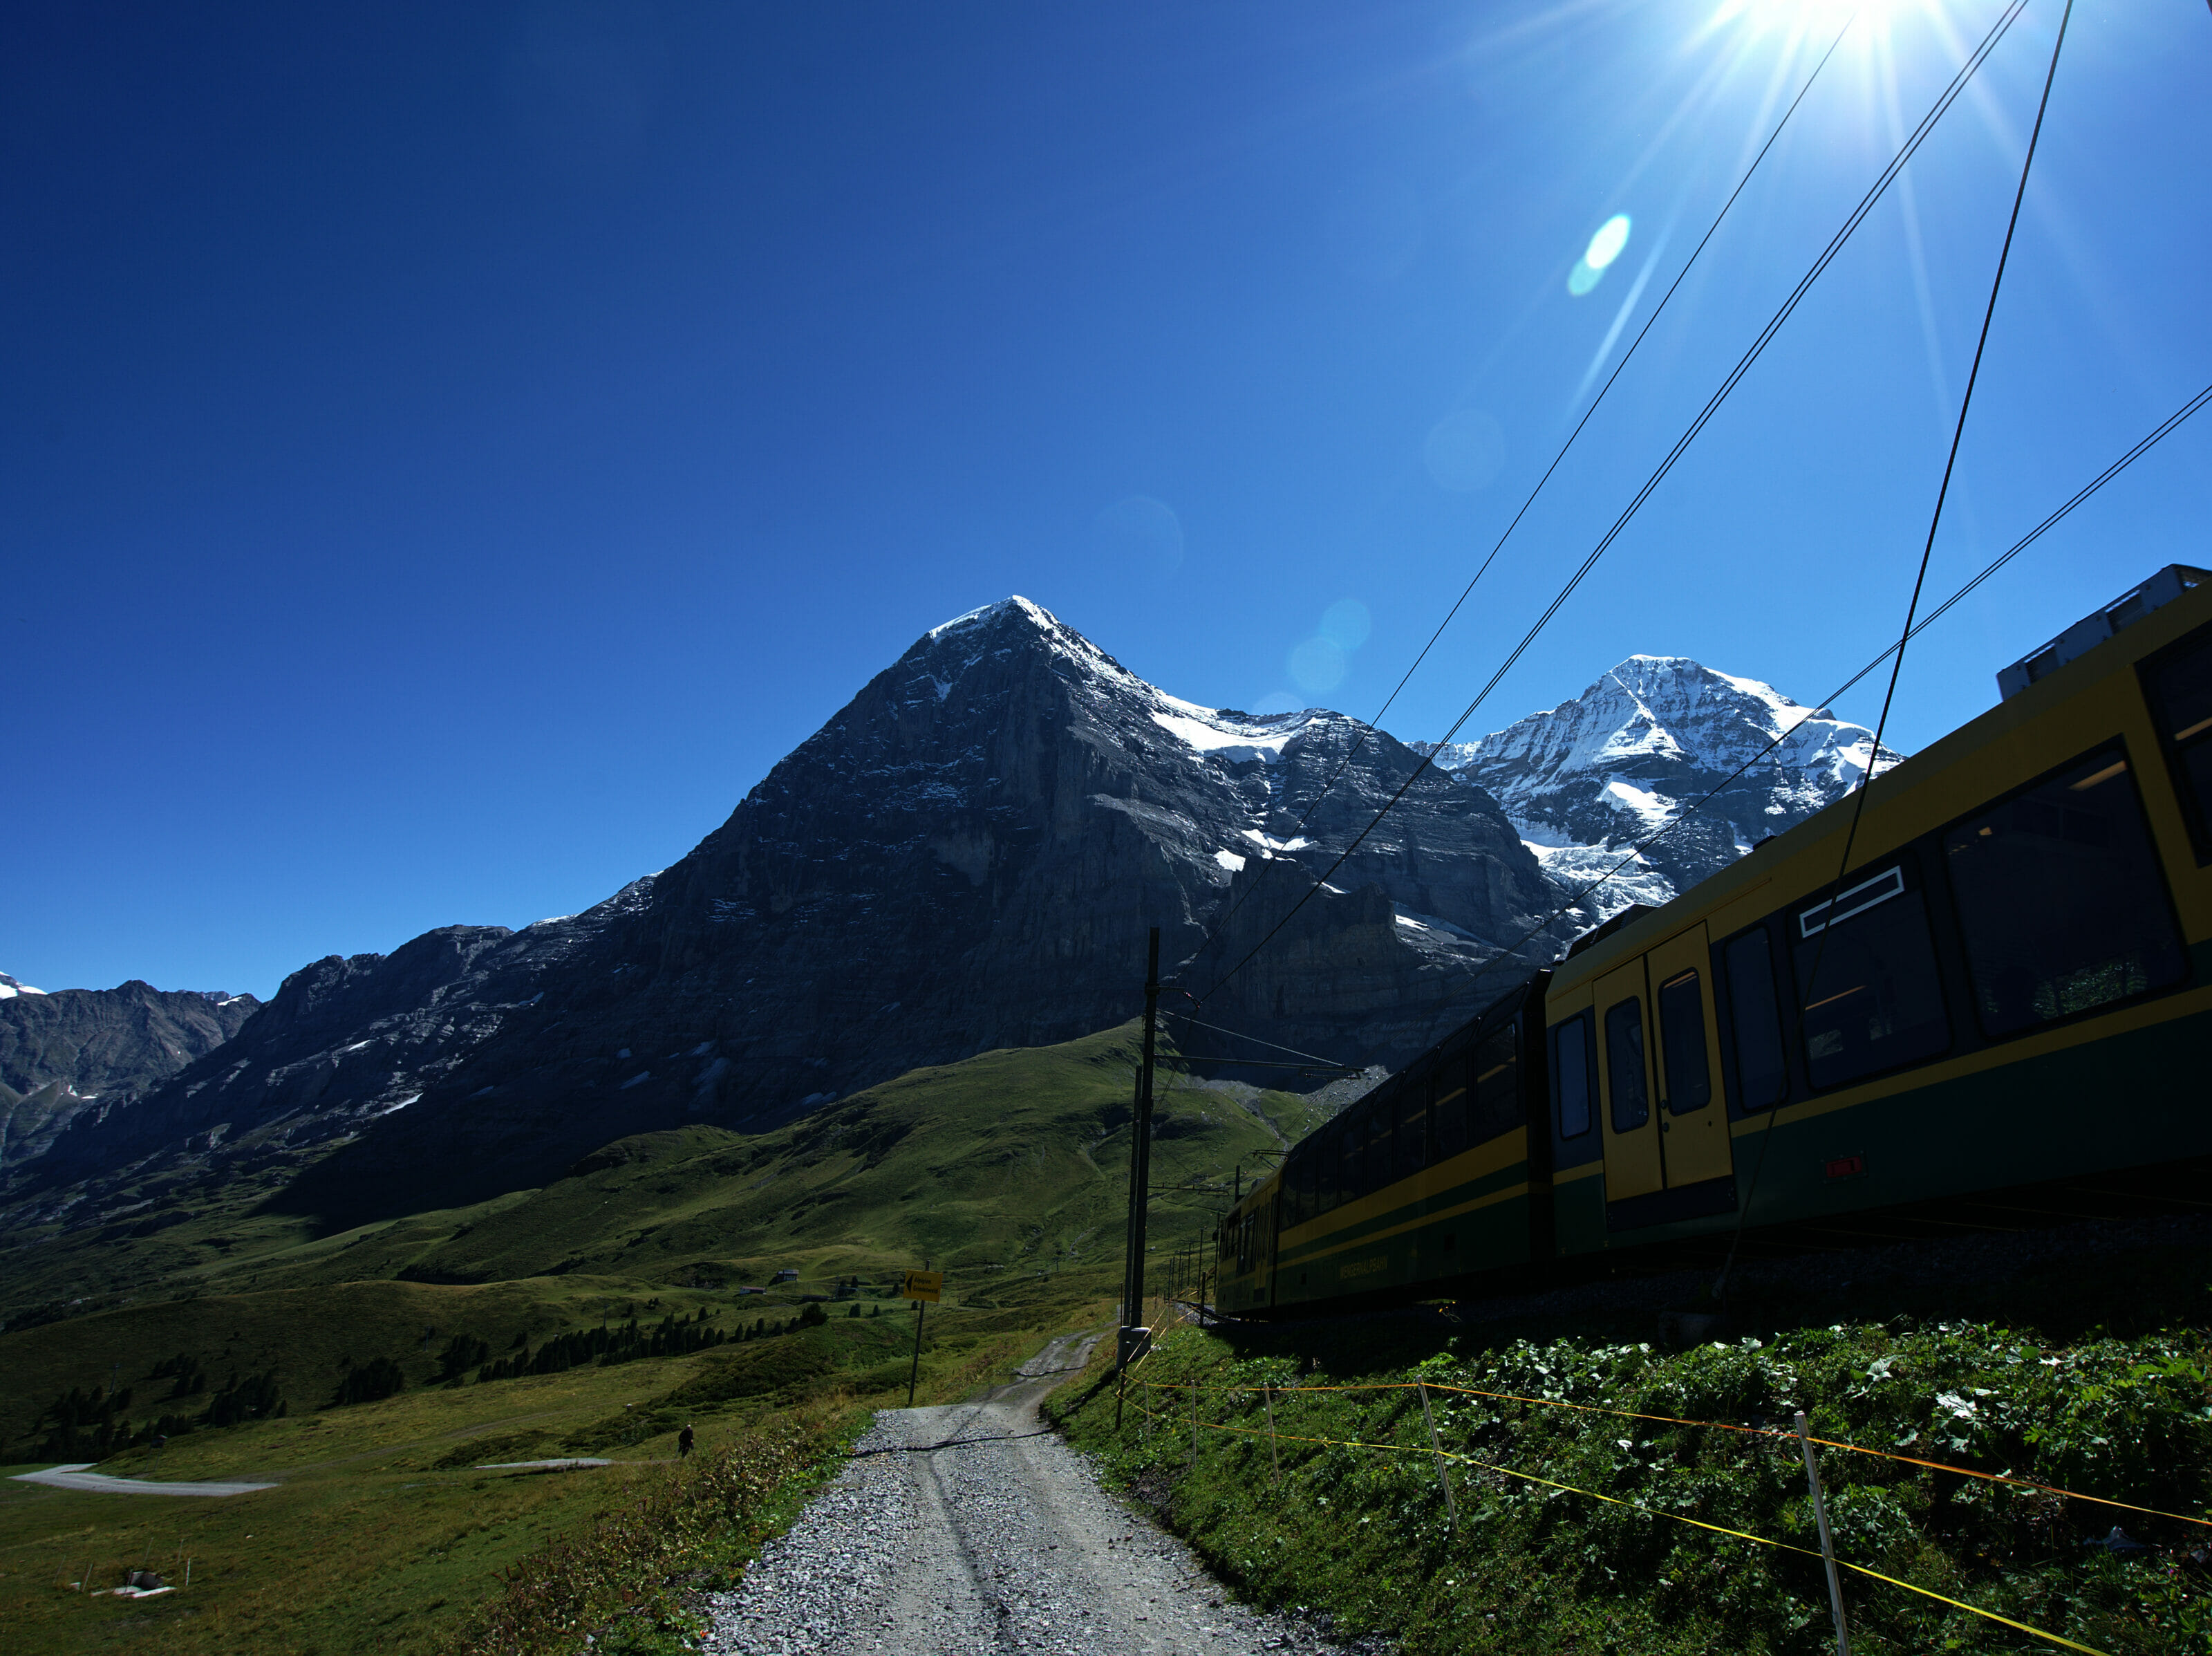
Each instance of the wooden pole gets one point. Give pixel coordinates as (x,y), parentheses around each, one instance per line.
(1274,1454)
(1140,1157)
(920,1312)
(1827,1543)
(1436,1448)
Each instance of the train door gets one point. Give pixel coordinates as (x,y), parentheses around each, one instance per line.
(1634,1162)
(1264,1242)
(1687,1061)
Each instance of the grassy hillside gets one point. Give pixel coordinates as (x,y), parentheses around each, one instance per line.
(382,1534)
(1001,1167)
(1008,1171)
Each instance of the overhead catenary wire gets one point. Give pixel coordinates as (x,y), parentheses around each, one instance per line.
(1529,500)
(1634,853)
(1704,415)
(1911,610)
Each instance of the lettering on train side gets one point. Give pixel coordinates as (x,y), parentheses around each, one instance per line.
(1364,1267)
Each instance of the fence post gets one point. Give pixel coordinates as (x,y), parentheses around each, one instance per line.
(1827,1543)
(1436,1448)
(1268,1393)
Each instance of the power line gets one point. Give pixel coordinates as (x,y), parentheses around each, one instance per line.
(2164,428)
(1712,405)
(1587,414)
(1239,1035)
(1912,608)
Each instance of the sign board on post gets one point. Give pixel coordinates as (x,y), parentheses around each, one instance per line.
(923,1288)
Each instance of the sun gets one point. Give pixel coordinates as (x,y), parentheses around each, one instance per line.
(1759,16)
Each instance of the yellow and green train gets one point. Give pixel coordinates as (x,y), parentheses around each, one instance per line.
(2013,987)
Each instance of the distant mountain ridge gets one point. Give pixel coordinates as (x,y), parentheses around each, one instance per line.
(1643,748)
(60,1052)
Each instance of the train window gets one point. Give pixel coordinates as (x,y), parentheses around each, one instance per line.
(2178,683)
(1570,1075)
(1755,1021)
(2061,900)
(1497,1085)
(1413,1131)
(1334,1172)
(1375,1164)
(1624,1065)
(1682,1037)
(1447,1115)
(1866,981)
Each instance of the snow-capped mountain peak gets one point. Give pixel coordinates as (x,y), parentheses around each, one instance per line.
(10,988)
(1644,746)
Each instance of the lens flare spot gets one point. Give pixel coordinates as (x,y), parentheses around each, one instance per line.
(1345,623)
(1605,246)
(1464,450)
(1317,666)
(1138,531)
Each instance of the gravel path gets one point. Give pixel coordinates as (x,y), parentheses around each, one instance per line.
(78,1475)
(974,1529)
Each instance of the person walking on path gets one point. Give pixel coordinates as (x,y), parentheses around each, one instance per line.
(683,1444)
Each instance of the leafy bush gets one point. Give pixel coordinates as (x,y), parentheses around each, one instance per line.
(1564,1534)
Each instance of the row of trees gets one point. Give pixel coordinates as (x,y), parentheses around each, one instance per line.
(81,1425)
(604,1346)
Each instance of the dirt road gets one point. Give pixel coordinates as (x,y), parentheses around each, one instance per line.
(972,1529)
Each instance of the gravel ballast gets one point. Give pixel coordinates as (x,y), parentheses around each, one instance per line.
(974,1528)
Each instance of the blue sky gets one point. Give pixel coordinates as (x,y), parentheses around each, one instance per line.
(449,454)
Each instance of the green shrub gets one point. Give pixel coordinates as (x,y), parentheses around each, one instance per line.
(1566,1535)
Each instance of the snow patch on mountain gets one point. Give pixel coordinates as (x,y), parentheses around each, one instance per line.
(1659,743)
(10,988)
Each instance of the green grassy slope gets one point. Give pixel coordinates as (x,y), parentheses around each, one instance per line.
(1011,1162)
(383,1534)
(1008,1171)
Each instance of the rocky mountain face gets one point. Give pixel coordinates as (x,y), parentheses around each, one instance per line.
(967,856)
(60,1052)
(1659,740)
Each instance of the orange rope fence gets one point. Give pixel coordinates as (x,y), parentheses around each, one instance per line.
(1594,1494)
(1726,1426)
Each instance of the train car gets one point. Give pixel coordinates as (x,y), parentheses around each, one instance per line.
(1439,1170)
(2012,987)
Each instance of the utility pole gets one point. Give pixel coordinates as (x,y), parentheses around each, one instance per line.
(1140,1169)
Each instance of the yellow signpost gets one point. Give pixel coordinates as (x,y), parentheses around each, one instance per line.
(925,1288)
